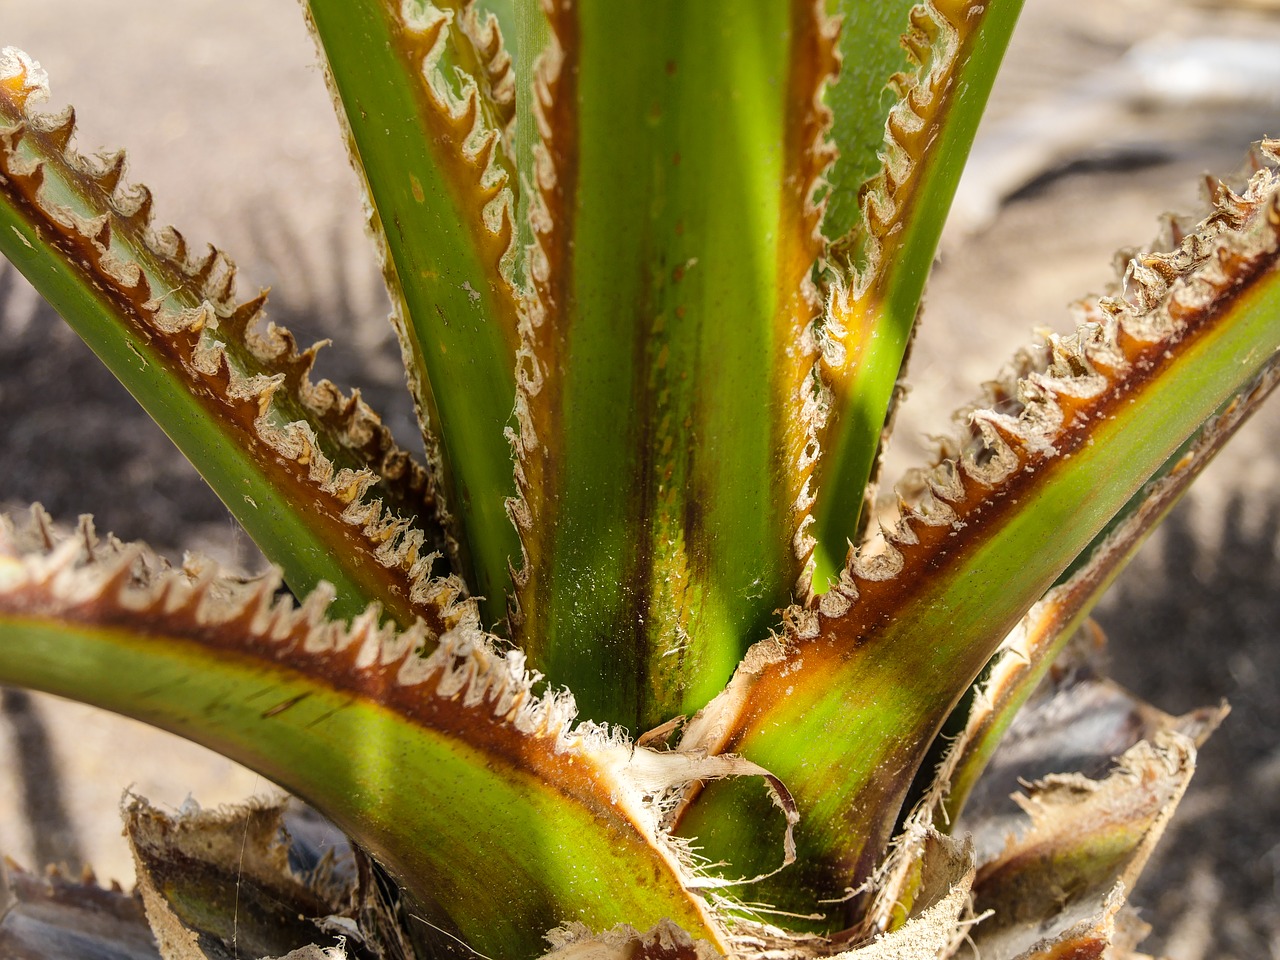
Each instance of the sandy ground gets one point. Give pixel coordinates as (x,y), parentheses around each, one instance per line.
(1089,138)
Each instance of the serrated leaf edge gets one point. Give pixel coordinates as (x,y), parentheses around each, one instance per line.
(242,375)
(81,578)
(554,180)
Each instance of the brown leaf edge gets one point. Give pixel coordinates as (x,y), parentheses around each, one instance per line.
(464,683)
(336,448)
(1042,407)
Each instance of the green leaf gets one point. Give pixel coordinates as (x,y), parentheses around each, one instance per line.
(473,791)
(426,93)
(1025,656)
(306,470)
(844,706)
(666,378)
(880,264)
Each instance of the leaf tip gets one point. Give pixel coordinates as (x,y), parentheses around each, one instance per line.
(22,79)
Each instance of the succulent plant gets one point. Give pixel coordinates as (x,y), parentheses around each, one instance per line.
(607,673)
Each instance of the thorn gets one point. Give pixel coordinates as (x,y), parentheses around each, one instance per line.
(108,179)
(60,129)
(136,206)
(243,317)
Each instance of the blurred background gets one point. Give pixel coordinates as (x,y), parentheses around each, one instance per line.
(1109,112)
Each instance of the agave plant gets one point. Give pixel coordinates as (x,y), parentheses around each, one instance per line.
(607,669)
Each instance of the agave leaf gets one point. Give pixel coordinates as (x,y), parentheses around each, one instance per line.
(304,468)
(1026,655)
(473,791)
(864,678)
(52,917)
(426,92)
(666,393)
(880,264)
(1061,881)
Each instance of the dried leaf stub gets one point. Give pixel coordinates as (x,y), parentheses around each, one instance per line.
(53,917)
(312,952)
(931,917)
(1076,720)
(924,937)
(666,941)
(921,869)
(217,884)
(1063,880)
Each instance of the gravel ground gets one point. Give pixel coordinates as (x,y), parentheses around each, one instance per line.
(1089,138)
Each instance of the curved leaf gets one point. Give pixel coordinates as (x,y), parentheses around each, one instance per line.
(426,93)
(474,791)
(305,469)
(880,265)
(864,678)
(1026,655)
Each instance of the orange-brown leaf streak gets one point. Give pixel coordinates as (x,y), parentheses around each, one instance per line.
(466,138)
(799,383)
(539,383)
(464,689)
(386,552)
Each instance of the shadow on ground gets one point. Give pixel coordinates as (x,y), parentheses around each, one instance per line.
(1198,619)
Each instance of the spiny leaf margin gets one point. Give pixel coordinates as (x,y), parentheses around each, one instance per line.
(425,135)
(300,464)
(875,275)
(1026,654)
(839,672)
(302,684)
